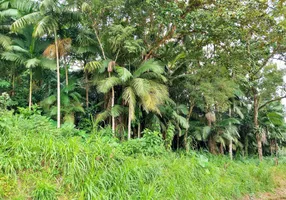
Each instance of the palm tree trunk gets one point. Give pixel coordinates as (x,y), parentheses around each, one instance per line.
(211,141)
(212,145)
(112,105)
(139,130)
(13,85)
(67,75)
(230,150)
(221,149)
(31,88)
(86,90)
(186,145)
(129,123)
(58,82)
(246,145)
(256,125)
(112,89)
(230,142)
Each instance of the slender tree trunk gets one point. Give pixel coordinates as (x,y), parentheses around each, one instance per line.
(230,142)
(186,145)
(256,125)
(246,145)
(112,105)
(86,90)
(129,123)
(230,149)
(58,82)
(139,130)
(112,89)
(271,147)
(31,88)
(67,75)
(13,85)
(211,141)
(178,138)
(221,149)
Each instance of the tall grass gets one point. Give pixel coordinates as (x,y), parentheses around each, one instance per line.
(39,161)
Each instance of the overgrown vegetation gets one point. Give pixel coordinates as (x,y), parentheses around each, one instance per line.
(128,83)
(41,162)
(200,73)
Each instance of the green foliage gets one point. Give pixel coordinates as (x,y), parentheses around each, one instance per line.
(150,144)
(51,164)
(170,132)
(6,101)
(44,190)
(198,69)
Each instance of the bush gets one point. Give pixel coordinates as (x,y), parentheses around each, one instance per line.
(150,144)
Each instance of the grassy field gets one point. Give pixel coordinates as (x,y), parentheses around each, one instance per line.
(39,161)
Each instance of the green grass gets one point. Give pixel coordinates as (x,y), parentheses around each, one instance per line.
(39,161)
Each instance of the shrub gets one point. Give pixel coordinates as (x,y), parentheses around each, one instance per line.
(150,144)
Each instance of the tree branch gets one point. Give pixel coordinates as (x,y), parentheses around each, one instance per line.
(270,101)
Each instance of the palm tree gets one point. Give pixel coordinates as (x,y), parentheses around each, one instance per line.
(46,19)
(141,88)
(27,50)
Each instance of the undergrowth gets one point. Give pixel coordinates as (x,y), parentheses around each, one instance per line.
(39,161)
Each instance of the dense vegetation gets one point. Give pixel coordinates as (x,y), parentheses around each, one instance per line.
(98,93)
(39,161)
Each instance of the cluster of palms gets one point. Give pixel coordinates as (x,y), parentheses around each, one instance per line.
(141,69)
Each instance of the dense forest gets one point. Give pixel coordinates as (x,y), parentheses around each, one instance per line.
(198,72)
(184,75)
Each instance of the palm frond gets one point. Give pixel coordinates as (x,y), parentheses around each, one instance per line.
(275,118)
(154,76)
(25,6)
(47,63)
(18,49)
(33,62)
(10,13)
(181,120)
(105,85)
(206,132)
(5,41)
(92,66)
(48,5)
(149,65)
(178,57)
(17,58)
(45,25)
(31,18)
(141,86)
(116,111)
(130,98)
(86,49)
(5,5)
(47,102)
(123,73)
(75,96)
(65,100)
(77,107)
(101,116)
(238,111)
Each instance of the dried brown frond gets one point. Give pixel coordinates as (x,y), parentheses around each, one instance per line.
(50,51)
(64,46)
(111,66)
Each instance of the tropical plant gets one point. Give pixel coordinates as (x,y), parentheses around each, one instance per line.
(71,103)
(26,50)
